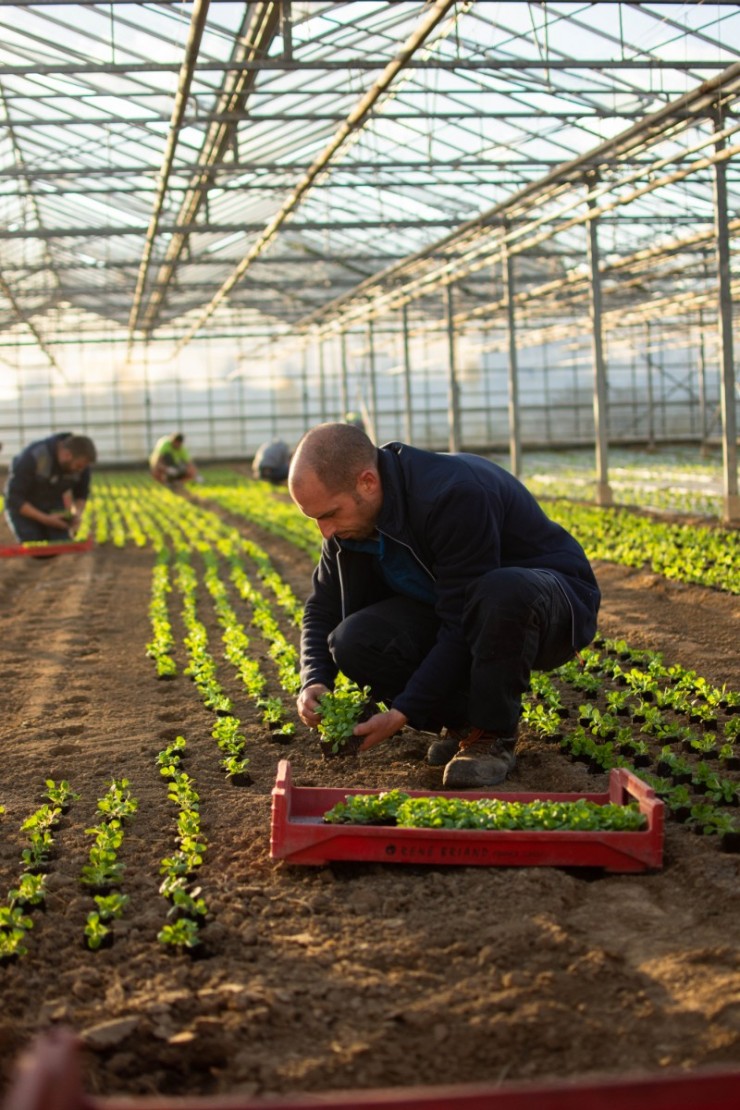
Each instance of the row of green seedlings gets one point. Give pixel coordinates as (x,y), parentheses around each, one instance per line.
(283,653)
(394,807)
(207,526)
(208,530)
(190,519)
(29,893)
(704,556)
(162,642)
(108,524)
(264,506)
(203,671)
(103,872)
(603,740)
(656,488)
(125,510)
(201,667)
(236,648)
(161,645)
(187,908)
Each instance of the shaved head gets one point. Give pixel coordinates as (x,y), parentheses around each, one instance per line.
(334,479)
(335,454)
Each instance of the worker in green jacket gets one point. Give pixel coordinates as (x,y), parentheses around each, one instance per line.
(170,460)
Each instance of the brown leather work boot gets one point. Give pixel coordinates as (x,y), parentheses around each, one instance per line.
(441,750)
(483,759)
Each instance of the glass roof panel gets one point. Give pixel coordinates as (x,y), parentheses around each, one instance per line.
(163,171)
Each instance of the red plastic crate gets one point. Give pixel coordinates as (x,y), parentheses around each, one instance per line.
(50,1074)
(300,835)
(72,546)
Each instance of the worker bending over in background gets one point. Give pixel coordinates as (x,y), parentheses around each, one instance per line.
(271,462)
(170,461)
(441,585)
(48,486)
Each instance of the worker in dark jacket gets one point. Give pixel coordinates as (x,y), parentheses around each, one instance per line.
(48,486)
(271,462)
(441,585)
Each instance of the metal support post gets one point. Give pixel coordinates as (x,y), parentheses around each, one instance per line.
(650,389)
(727,369)
(515,443)
(373,406)
(603,489)
(703,426)
(343,383)
(304,389)
(453,409)
(286,29)
(407,414)
(322,383)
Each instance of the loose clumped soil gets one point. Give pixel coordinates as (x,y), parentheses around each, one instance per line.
(350,975)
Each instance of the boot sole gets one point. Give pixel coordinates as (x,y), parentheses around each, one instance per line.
(460,777)
(442,758)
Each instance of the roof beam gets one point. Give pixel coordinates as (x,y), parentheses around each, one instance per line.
(354,122)
(404,276)
(363,64)
(254,41)
(20,316)
(106,231)
(195,35)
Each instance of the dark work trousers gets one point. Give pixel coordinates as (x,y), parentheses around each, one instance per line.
(26,530)
(514,621)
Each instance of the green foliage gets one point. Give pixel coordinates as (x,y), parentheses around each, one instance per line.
(340,710)
(488,813)
(95,930)
(183,933)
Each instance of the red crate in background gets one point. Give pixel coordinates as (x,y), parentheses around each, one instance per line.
(49,1076)
(42,552)
(300,835)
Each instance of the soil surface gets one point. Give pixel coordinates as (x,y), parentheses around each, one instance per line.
(349,975)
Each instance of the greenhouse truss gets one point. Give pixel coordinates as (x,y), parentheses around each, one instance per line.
(480,224)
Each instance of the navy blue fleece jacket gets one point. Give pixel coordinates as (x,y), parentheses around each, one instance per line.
(460,516)
(36,476)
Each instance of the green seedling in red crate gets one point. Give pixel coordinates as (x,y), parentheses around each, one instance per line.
(495,814)
(368,809)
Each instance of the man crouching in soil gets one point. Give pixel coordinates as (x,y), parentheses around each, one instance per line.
(442,584)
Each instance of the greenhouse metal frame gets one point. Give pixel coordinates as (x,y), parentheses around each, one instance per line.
(483,225)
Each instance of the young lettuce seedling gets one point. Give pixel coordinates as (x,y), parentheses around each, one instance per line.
(340,710)
(95,931)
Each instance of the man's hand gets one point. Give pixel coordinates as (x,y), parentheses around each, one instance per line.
(59,520)
(380,727)
(307,704)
